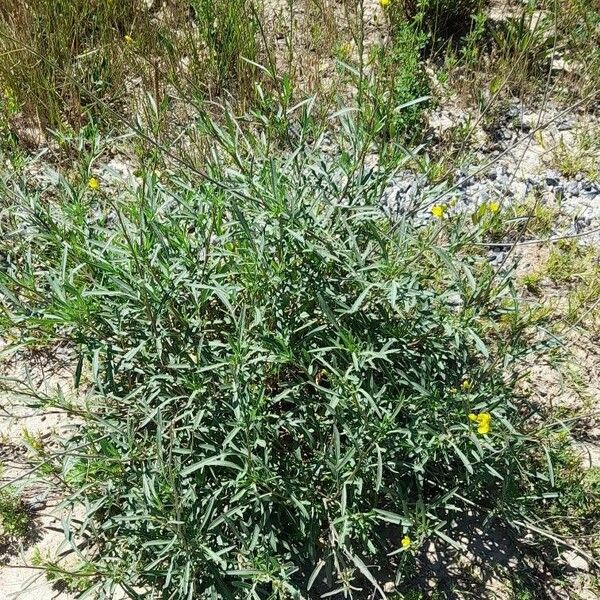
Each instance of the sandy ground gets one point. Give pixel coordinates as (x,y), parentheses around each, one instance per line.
(18,577)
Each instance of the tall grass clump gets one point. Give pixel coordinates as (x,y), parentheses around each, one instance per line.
(578,28)
(65,61)
(58,57)
(230,39)
(287,392)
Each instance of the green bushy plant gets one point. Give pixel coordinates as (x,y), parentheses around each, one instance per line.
(404,81)
(14,518)
(289,393)
(440,17)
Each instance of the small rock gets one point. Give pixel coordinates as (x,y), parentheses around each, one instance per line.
(38,502)
(482,197)
(389,587)
(572,188)
(575,561)
(578,224)
(526,126)
(560,64)
(519,189)
(552,178)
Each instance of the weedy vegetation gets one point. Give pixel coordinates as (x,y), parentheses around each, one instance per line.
(281,389)
(14,516)
(285,386)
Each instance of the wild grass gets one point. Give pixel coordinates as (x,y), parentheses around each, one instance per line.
(441,19)
(526,52)
(577,268)
(581,157)
(106,57)
(574,270)
(57,56)
(113,53)
(578,505)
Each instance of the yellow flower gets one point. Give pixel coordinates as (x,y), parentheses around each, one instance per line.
(466,385)
(405,542)
(494,207)
(94,183)
(438,211)
(483,421)
(128,40)
(384,3)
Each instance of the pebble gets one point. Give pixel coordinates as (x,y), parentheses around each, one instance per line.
(575,561)
(572,188)
(565,126)
(552,178)
(38,502)
(579,197)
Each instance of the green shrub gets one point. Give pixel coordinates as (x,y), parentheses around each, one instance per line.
(440,17)
(14,518)
(285,385)
(404,80)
